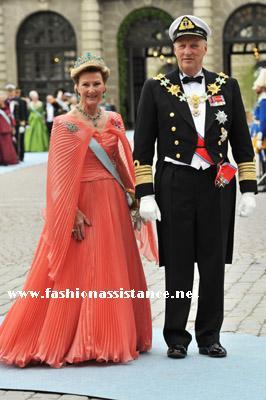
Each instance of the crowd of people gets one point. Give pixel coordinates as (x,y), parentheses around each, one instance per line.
(26,122)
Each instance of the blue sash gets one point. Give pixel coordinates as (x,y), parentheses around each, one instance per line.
(102,156)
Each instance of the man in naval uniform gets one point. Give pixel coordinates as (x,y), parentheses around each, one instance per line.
(193,114)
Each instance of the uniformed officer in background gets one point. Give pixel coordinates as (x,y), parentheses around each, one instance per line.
(19,111)
(260,118)
(193,114)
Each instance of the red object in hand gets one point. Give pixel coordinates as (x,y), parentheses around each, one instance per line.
(225,174)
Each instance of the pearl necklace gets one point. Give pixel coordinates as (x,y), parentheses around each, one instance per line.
(91,117)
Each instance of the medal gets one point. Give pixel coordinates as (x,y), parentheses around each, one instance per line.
(223,135)
(216,101)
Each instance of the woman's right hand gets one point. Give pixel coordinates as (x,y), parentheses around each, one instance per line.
(78,230)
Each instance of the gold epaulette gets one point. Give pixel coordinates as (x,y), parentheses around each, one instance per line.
(247,171)
(143,173)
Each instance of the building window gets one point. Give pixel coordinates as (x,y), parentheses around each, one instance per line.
(46,50)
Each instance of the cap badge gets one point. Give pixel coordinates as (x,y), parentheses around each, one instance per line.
(185,24)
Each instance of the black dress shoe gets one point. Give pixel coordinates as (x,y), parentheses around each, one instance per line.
(213,350)
(177,351)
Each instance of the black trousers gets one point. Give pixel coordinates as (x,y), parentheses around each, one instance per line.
(19,144)
(194,227)
(49,127)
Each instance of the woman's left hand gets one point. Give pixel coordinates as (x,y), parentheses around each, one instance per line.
(133,203)
(78,230)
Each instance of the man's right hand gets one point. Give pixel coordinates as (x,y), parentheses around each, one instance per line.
(149,209)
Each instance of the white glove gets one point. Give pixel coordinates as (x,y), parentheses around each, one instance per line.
(149,209)
(21,129)
(247,204)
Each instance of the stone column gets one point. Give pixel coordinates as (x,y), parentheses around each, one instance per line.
(203,10)
(91,27)
(3,76)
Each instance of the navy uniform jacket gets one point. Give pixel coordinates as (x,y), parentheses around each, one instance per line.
(21,110)
(162,116)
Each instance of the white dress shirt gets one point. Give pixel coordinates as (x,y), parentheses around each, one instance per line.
(199,121)
(49,112)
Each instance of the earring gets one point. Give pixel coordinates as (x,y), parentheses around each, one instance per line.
(104,95)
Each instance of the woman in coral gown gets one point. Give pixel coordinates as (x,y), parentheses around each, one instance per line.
(87,242)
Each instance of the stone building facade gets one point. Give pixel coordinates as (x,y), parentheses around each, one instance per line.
(122,31)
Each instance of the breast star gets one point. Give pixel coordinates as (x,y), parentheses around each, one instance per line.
(221,117)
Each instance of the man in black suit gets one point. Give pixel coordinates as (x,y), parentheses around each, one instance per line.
(21,115)
(52,110)
(193,114)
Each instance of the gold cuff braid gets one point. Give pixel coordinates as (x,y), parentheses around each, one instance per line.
(143,173)
(246,171)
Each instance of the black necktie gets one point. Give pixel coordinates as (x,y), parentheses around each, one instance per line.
(188,79)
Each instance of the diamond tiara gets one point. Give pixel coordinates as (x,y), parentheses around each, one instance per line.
(89,57)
